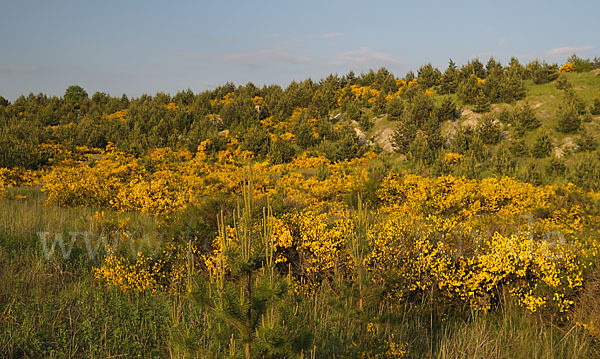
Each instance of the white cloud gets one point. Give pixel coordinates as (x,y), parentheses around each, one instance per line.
(330,35)
(363,57)
(260,57)
(568,50)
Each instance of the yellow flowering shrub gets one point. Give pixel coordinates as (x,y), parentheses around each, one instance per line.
(453,158)
(307,161)
(128,275)
(320,243)
(2,183)
(567,67)
(171,106)
(17,176)
(444,233)
(466,241)
(119,115)
(170,270)
(287,136)
(385,347)
(258,101)
(364,92)
(227,99)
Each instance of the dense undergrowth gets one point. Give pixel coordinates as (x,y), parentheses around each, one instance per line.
(310,258)
(251,222)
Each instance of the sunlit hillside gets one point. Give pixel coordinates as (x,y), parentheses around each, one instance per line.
(443,213)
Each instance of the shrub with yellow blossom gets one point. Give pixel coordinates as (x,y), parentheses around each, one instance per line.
(567,67)
(465,240)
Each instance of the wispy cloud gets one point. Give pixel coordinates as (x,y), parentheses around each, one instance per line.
(363,57)
(568,50)
(330,35)
(189,55)
(270,36)
(18,69)
(264,56)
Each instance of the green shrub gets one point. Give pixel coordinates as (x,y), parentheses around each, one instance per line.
(542,146)
(595,109)
(489,131)
(569,120)
(555,167)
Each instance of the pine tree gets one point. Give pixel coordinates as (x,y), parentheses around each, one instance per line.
(461,141)
(420,151)
(562,83)
(257,141)
(380,103)
(586,143)
(572,99)
(569,120)
(493,67)
(420,108)
(489,131)
(532,175)
(526,117)
(555,167)
(595,109)
(348,147)
(248,301)
(515,68)
(503,163)
(518,148)
(395,108)
(447,110)
(365,123)
(75,94)
(432,131)
(482,103)
(305,136)
(586,173)
(473,67)
(449,81)
(404,134)
(478,149)
(350,78)
(511,87)
(468,167)
(352,111)
(281,151)
(542,146)
(581,65)
(542,73)
(428,75)
(506,116)
(389,85)
(468,90)
(492,87)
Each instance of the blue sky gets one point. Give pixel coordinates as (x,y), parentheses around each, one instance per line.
(137,47)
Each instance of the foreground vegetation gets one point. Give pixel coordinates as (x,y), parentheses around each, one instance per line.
(247,222)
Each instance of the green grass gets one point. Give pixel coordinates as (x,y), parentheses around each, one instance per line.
(56,309)
(513,334)
(546,99)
